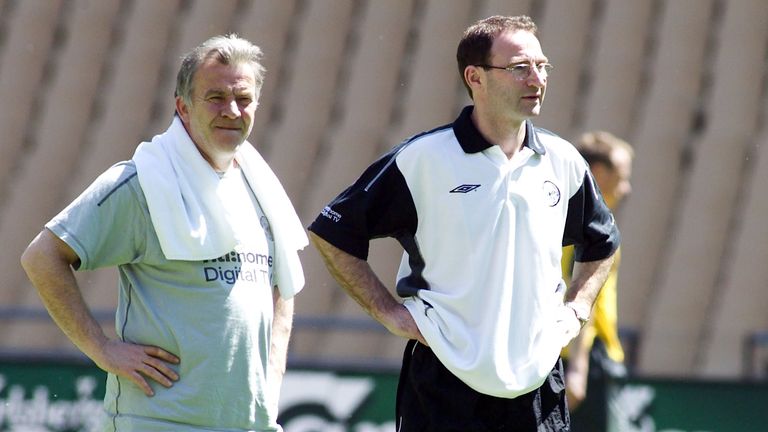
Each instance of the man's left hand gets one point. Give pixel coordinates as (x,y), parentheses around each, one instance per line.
(568,322)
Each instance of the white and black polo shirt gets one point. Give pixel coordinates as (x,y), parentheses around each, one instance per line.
(483,236)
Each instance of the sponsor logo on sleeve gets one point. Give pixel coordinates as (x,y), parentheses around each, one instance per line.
(330,214)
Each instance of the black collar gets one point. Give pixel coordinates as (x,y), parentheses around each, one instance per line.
(472,141)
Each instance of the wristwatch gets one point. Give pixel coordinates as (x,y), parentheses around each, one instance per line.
(581,310)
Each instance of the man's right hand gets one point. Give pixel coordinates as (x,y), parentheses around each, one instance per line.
(48,261)
(361,283)
(137,363)
(400,322)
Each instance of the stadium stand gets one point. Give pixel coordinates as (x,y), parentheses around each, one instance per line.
(569,21)
(664,127)
(688,289)
(683,80)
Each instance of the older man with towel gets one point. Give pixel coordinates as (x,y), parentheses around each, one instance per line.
(206,243)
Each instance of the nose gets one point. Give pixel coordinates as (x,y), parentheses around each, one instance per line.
(538,78)
(537,75)
(230,109)
(626,188)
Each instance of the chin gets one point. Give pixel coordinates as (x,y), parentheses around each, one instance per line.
(231,138)
(235,145)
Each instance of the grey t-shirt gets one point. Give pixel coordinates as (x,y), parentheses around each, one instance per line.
(215,315)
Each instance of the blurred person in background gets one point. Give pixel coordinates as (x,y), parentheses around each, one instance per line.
(205,241)
(597,354)
(481,207)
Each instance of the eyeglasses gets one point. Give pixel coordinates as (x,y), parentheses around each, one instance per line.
(521,71)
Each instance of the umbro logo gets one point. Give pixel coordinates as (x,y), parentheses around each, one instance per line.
(465,188)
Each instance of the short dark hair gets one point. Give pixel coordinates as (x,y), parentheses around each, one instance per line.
(475,45)
(227,49)
(598,147)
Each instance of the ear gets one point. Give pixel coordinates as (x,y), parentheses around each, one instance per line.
(599,170)
(182,109)
(473,77)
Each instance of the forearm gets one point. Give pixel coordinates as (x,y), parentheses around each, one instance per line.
(282,323)
(48,263)
(48,266)
(578,369)
(578,353)
(359,281)
(587,280)
(357,278)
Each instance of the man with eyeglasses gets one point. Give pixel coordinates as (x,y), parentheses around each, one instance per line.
(481,207)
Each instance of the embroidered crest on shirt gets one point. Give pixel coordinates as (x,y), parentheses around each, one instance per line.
(551,193)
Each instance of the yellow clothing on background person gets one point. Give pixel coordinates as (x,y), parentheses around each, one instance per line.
(603,322)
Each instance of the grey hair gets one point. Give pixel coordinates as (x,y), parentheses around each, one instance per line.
(228,49)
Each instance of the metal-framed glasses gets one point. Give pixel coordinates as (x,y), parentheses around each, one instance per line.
(521,71)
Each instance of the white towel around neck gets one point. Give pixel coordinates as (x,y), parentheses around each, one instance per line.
(190,212)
